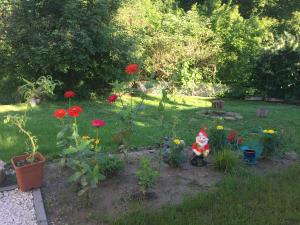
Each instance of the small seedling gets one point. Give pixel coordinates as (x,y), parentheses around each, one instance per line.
(146,175)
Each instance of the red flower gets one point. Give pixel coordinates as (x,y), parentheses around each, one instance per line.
(69,94)
(112,98)
(231,136)
(132,69)
(240,140)
(74,111)
(98,123)
(60,113)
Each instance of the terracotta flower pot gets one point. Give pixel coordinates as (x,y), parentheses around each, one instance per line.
(29,176)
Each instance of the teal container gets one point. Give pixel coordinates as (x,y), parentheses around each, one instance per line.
(250,157)
(253,142)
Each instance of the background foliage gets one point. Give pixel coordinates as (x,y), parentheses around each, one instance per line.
(192,46)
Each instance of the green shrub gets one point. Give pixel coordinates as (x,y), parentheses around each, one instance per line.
(89,166)
(242,40)
(146,175)
(157,28)
(173,152)
(217,138)
(73,41)
(277,70)
(226,160)
(270,141)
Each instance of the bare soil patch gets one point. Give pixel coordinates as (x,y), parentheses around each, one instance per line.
(276,163)
(117,195)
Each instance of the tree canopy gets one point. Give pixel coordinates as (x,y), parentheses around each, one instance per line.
(190,45)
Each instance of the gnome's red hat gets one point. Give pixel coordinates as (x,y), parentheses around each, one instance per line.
(203,132)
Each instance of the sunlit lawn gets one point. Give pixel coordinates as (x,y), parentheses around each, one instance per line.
(241,198)
(149,128)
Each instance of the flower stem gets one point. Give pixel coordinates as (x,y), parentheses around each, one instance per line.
(76,131)
(97,137)
(31,139)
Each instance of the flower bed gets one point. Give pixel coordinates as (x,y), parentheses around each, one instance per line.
(114,196)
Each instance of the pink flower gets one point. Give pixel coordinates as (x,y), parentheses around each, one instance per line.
(231,136)
(112,98)
(74,111)
(132,69)
(60,113)
(69,94)
(98,123)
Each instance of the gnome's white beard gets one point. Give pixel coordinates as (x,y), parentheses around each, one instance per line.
(201,140)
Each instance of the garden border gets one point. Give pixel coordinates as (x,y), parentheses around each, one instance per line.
(39,207)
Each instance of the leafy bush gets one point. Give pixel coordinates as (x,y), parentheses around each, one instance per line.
(42,87)
(270,141)
(242,40)
(158,28)
(86,43)
(89,166)
(217,138)
(277,71)
(74,41)
(109,164)
(146,175)
(225,160)
(293,24)
(173,152)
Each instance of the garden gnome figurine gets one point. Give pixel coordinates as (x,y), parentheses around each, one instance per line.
(200,149)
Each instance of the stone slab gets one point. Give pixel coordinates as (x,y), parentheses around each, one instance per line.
(39,207)
(8,188)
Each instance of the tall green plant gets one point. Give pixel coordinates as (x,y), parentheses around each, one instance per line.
(83,154)
(146,175)
(128,110)
(42,86)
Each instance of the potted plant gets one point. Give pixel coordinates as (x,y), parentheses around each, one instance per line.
(29,167)
(250,156)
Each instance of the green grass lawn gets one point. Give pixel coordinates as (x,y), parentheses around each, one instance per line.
(148,126)
(241,198)
(244,199)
